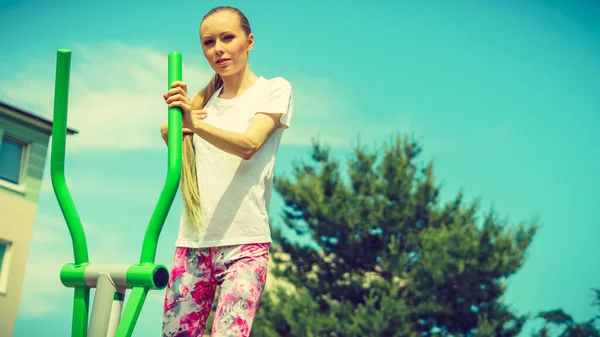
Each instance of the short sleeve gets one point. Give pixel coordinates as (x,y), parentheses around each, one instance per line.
(278,99)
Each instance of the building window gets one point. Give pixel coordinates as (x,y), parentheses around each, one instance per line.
(12,159)
(5,247)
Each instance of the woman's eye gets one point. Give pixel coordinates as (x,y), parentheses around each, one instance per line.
(207,42)
(228,37)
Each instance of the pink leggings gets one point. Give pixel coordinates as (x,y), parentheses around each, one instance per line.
(240,271)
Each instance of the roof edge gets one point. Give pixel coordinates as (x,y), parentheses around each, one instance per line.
(43,123)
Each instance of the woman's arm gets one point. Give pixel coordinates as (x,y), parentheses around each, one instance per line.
(243,145)
(164,132)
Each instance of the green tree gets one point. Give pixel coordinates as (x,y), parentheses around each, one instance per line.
(392,260)
(559,323)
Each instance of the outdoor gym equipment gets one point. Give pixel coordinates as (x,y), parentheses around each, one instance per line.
(110,280)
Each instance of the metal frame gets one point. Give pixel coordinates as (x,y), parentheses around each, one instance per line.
(110,281)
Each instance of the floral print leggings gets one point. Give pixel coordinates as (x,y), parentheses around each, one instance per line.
(240,271)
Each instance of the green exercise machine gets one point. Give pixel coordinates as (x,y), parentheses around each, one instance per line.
(110,281)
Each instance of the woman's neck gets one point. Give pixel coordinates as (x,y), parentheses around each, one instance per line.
(235,84)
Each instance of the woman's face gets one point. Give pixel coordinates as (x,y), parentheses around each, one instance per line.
(224,43)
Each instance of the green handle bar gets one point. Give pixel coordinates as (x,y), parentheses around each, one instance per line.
(173,171)
(57,156)
(57,166)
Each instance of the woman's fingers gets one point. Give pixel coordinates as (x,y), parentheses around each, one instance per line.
(178,97)
(177,93)
(179,104)
(179,85)
(165,129)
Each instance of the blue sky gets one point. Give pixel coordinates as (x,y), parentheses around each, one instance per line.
(504,96)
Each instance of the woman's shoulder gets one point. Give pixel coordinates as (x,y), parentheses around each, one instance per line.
(277,82)
(277,86)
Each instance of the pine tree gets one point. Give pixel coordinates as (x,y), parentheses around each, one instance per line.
(392,260)
(558,323)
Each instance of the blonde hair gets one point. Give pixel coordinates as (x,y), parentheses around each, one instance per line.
(189,183)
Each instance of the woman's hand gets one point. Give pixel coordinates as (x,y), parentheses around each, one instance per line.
(164,131)
(178,98)
(193,119)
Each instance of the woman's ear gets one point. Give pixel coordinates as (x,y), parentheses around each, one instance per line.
(250,41)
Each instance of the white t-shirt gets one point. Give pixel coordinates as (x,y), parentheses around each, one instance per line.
(235,193)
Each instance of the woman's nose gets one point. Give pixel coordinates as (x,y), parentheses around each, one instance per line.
(218,47)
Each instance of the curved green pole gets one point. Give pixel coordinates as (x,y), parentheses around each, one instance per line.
(81,295)
(57,157)
(173,173)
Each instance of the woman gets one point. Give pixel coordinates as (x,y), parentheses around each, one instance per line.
(232,130)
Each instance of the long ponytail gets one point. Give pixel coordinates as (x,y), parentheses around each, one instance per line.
(189,183)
